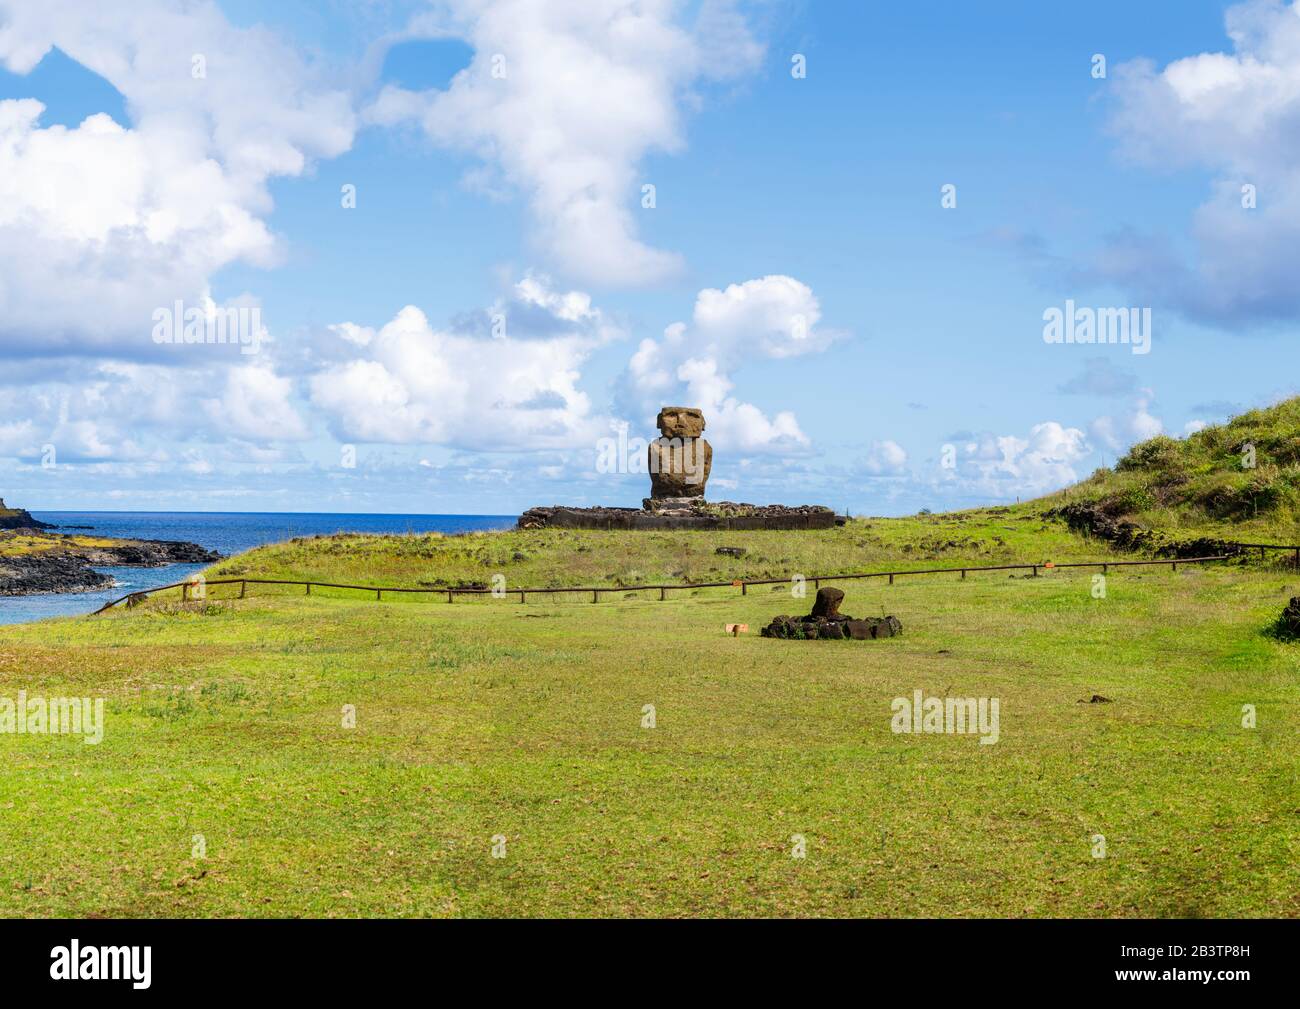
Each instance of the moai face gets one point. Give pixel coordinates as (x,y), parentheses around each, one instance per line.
(680,422)
(679,460)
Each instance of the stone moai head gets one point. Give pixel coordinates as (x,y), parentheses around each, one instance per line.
(679,460)
(680,422)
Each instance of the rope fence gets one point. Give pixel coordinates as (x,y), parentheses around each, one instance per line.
(743,584)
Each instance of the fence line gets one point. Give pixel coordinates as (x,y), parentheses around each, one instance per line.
(742,583)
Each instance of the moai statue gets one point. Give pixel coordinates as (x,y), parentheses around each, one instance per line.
(680,459)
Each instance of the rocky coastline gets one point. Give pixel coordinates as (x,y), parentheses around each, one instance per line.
(33,561)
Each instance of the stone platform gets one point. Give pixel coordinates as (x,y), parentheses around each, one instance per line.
(699,515)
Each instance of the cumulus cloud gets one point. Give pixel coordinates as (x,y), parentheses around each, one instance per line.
(1001,466)
(411,383)
(86,255)
(1237,114)
(256,405)
(772,317)
(1119,432)
(563,100)
(884,458)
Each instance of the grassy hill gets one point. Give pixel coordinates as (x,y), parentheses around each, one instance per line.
(1239,480)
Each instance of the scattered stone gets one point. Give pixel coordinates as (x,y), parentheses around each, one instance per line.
(691,514)
(1098,518)
(827,622)
(1097,699)
(731,551)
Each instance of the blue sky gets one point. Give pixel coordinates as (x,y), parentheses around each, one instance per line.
(852,341)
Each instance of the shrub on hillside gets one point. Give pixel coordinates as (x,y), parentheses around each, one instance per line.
(1158,453)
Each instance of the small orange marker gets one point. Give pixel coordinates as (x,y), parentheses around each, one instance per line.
(737,582)
(735,630)
(1048,564)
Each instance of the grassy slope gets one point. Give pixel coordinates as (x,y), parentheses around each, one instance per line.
(1204,485)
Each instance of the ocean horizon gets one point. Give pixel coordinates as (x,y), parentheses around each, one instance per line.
(226,532)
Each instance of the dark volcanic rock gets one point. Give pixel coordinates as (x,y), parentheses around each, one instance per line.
(1092,519)
(1288,624)
(693,515)
(826,622)
(34,573)
(150,554)
(67,565)
(873,627)
(19,518)
(827,603)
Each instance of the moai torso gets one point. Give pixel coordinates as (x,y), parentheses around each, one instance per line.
(680,459)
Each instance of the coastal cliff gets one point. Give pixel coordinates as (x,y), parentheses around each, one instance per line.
(19,518)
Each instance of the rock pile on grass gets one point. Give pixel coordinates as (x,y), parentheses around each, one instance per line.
(826,622)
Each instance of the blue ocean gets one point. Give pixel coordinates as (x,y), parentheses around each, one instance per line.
(227,532)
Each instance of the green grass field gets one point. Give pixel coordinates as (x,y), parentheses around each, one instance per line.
(489,719)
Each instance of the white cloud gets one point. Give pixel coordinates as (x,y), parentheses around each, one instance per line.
(415,384)
(885,458)
(1118,433)
(1002,466)
(1237,114)
(86,255)
(256,404)
(773,317)
(565,98)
